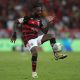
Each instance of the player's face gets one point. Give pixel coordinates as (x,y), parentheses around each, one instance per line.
(39,11)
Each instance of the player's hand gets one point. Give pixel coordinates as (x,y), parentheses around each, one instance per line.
(50,18)
(13,38)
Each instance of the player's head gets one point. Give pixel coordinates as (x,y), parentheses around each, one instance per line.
(38,9)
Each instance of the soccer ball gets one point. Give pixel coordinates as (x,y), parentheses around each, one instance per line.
(57,47)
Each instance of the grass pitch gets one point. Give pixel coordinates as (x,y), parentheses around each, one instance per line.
(17,66)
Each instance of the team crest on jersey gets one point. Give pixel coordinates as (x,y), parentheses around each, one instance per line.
(34,22)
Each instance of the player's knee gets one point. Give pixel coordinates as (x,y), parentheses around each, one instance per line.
(50,36)
(34,58)
(34,51)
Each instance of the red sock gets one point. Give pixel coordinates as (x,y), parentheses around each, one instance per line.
(33,66)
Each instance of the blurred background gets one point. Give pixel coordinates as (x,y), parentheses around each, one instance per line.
(66,25)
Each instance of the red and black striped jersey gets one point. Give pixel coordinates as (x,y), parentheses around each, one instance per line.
(30,28)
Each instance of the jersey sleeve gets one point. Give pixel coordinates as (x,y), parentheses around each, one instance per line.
(23,19)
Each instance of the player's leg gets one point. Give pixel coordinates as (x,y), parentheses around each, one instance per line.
(32,47)
(52,39)
(34,61)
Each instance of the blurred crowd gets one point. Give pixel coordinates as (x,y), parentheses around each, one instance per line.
(67,12)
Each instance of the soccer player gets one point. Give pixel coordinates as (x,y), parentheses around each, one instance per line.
(29,30)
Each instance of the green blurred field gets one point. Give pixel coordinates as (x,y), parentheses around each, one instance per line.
(17,66)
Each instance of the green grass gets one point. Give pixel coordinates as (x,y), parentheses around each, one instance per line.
(17,66)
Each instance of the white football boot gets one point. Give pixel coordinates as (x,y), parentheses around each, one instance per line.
(59,56)
(34,75)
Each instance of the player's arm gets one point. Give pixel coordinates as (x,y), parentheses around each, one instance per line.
(14,33)
(45,29)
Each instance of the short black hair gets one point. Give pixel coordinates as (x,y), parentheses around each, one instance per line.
(37,5)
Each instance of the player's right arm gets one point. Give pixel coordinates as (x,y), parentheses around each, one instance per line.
(14,34)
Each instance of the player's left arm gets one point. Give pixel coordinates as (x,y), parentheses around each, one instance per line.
(45,29)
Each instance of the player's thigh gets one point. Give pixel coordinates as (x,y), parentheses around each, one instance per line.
(39,39)
(47,37)
(31,43)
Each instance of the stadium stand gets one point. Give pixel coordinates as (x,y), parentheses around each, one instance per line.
(67,13)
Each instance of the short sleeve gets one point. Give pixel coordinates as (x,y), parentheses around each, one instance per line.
(20,20)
